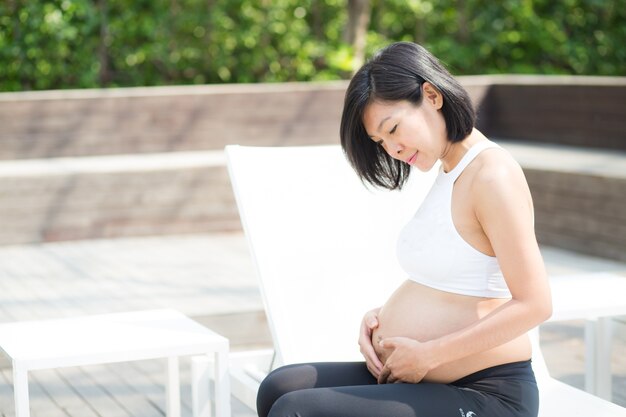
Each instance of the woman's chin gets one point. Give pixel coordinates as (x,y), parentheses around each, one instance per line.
(423,166)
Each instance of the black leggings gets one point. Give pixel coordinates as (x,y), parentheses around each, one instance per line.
(347,389)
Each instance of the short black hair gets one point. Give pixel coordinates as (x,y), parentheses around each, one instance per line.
(397,73)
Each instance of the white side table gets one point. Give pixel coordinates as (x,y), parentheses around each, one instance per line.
(596,298)
(118,337)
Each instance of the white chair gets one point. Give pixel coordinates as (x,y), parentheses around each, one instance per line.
(324,250)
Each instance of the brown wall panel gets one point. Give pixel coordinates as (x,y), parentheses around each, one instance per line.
(574,210)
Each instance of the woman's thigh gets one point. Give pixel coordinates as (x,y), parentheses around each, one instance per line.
(339,389)
(297,377)
(392,400)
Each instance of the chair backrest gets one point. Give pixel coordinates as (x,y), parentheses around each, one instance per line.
(324,249)
(323,244)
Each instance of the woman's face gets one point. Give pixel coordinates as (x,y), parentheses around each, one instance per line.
(413,134)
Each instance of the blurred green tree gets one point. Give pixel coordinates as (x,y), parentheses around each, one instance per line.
(51,44)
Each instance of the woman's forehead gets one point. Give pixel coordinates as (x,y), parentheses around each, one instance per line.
(377,112)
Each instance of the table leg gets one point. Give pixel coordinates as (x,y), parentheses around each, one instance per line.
(201,370)
(20,388)
(604,329)
(222,383)
(598,341)
(172,389)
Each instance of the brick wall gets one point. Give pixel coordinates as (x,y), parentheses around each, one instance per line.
(580,111)
(167,119)
(113,197)
(82,184)
(586,111)
(580,212)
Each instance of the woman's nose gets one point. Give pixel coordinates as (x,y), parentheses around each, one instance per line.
(396,148)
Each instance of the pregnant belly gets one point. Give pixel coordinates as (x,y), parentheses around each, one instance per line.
(423,314)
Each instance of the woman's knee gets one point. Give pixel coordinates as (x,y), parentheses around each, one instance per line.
(284,406)
(302,403)
(269,391)
(282,381)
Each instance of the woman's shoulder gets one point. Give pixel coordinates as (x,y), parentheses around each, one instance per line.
(498,181)
(496,165)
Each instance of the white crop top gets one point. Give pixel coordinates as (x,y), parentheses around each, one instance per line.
(434,254)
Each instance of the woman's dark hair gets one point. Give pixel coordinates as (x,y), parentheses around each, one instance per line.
(397,73)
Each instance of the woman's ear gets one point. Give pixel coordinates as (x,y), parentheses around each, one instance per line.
(433,95)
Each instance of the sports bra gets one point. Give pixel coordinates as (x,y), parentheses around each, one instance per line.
(433,253)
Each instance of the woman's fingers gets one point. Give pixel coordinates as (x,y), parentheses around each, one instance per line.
(408,361)
(373,358)
(368,352)
(373,370)
(369,322)
(384,375)
(371,318)
(374,364)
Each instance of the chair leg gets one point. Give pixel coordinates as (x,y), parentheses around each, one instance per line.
(598,340)
(222,384)
(172,388)
(20,388)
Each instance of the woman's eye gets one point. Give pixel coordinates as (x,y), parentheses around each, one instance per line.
(393,130)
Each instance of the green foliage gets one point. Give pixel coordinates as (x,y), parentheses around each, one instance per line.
(52,44)
(48,44)
(510,36)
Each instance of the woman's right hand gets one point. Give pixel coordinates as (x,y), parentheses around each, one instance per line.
(368,324)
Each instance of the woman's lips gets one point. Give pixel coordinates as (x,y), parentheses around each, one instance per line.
(412,159)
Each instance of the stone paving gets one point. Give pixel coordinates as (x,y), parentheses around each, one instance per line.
(209,278)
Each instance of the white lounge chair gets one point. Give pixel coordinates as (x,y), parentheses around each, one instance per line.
(324,250)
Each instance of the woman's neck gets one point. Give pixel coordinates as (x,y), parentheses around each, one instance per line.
(453,152)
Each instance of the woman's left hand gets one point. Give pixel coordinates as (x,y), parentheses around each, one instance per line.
(409,360)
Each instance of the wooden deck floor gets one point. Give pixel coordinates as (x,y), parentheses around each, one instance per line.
(209,278)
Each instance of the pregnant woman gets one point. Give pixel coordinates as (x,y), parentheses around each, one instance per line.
(451,340)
